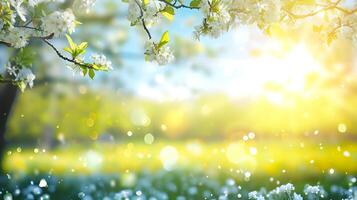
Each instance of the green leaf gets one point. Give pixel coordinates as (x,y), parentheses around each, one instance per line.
(68,50)
(21,85)
(195,3)
(83,45)
(165,38)
(168,12)
(84,71)
(70,42)
(91,73)
(24,57)
(145,2)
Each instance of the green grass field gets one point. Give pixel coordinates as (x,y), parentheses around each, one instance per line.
(209,168)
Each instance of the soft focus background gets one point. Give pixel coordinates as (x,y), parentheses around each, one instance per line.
(254,109)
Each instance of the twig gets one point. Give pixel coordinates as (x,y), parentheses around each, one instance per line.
(62,56)
(142,19)
(29,27)
(332,6)
(146,28)
(178,6)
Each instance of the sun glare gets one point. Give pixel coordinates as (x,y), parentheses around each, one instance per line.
(278,71)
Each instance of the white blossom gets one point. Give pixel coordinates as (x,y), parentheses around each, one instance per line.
(19,8)
(255,195)
(26,76)
(162,55)
(83,5)
(11,69)
(59,22)
(217,19)
(16,37)
(134,11)
(102,61)
(149,12)
(312,189)
(297,197)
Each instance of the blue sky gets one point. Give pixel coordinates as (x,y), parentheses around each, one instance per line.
(151,81)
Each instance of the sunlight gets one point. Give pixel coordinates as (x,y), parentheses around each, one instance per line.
(277,71)
(290,71)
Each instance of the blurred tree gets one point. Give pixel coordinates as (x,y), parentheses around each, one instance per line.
(8,93)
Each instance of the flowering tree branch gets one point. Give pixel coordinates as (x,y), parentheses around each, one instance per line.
(17,27)
(327,7)
(62,56)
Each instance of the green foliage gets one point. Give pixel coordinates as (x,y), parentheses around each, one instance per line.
(91,73)
(74,49)
(168,12)
(97,112)
(195,3)
(77,51)
(24,57)
(6,14)
(165,38)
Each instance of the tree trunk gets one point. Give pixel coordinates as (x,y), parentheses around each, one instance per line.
(8,94)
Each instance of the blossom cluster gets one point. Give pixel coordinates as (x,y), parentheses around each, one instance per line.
(287,191)
(101,60)
(59,23)
(23,76)
(148,11)
(162,55)
(221,15)
(19,24)
(16,15)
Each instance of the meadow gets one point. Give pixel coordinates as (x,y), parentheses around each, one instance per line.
(185,170)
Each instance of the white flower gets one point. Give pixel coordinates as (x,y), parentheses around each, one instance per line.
(26,76)
(11,69)
(59,22)
(134,11)
(150,12)
(102,61)
(255,195)
(162,55)
(312,189)
(282,191)
(270,10)
(216,21)
(297,197)
(16,37)
(286,188)
(83,5)
(20,10)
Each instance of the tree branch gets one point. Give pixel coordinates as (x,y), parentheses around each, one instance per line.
(178,6)
(7,80)
(5,43)
(29,27)
(62,56)
(332,6)
(141,17)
